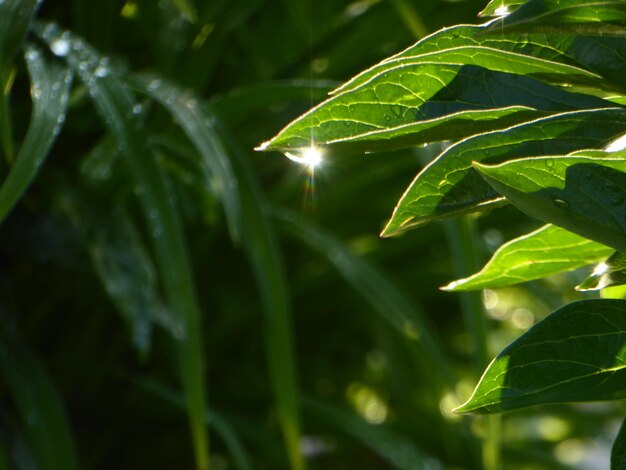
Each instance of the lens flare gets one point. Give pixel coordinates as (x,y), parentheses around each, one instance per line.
(311,157)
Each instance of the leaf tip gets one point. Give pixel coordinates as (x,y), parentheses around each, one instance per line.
(264,147)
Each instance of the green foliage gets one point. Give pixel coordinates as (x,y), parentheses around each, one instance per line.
(530,104)
(162,286)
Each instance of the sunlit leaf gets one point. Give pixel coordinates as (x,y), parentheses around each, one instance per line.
(449,186)
(545,58)
(611,272)
(424,103)
(598,17)
(549,250)
(583,194)
(576,354)
(49,92)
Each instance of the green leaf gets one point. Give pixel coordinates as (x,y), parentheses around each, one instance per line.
(50,83)
(618,452)
(582,193)
(576,354)
(396,449)
(599,17)
(123,264)
(450,186)
(15,17)
(40,408)
(215,162)
(548,250)
(372,283)
(117,107)
(262,248)
(611,272)
(545,58)
(501,7)
(424,103)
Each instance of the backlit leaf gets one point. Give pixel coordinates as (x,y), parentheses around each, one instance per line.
(611,272)
(546,251)
(424,103)
(578,353)
(583,193)
(449,186)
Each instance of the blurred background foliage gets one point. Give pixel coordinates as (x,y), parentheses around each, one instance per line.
(318,343)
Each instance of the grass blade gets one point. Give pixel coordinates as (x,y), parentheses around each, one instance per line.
(261,245)
(39,405)
(387,299)
(215,161)
(258,240)
(398,450)
(50,85)
(116,107)
(213,419)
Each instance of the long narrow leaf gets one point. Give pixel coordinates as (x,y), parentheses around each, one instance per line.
(44,419)
(386,298)
(116,107)
(261,245)
(50,83)
(215,161)
(396,449)
(199,123)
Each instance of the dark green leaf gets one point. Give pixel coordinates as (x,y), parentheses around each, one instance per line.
(117,109)
(424,103)
(611,272)
(618,452)
(15,17)
(584,194)
(575,354)
(261,246)
(39,405)
(546,251)
(215,161)
(50,84)
(449,186)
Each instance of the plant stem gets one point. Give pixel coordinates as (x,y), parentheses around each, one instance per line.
(5,118)
(461,238)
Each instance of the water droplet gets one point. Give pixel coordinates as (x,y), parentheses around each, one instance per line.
(137,109)
(396,110)
(549,162)
(32,54)
(61,46)
(154,84)
(387,117)
(101,71)
(561,203)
